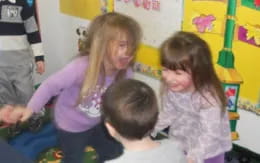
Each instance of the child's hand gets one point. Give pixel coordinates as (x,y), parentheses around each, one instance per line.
(27,113)
(190,160)
(40,67)
(23,113)
(5,113)
(11,115)
(20,114)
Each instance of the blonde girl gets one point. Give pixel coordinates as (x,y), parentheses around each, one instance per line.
(111,44)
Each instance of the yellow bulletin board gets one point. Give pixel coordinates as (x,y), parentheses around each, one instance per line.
(207,18)
(86,9)
(147,61)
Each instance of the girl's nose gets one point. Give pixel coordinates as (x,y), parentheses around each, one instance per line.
(128,52)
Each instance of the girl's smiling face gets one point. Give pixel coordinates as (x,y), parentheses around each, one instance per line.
(178,80)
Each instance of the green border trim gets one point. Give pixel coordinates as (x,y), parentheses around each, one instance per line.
(250,4)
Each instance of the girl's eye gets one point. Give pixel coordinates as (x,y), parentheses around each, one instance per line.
(178,72)
(164,69)
(122,43)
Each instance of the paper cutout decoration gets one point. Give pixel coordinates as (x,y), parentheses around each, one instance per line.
(257,3)
(249,34)
(204,23)
(156,5)
(138,3)
(230,92)
(146,4)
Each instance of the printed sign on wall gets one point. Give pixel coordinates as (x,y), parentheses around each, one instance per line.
(162,16)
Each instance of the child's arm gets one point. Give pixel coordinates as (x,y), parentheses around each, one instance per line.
(56,83)
(166,116)
(33,35)
(215,129)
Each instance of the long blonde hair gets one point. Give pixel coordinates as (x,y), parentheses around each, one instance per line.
(104,29)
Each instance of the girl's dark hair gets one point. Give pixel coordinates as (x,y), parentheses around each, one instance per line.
(187,51)
(130,106)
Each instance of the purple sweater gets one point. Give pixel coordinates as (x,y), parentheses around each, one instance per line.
(196,124)
(66,83)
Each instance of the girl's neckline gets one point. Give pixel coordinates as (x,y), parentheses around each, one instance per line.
(183,93)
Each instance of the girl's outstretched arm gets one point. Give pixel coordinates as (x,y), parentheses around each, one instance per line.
(56,83)
(166,115)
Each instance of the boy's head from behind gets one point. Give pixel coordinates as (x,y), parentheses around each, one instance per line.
(130,109)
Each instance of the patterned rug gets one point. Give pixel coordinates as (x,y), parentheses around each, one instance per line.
(54,155)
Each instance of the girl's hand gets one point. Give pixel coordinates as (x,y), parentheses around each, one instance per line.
(26,114)
(11,114)
(190,160)
(5,113)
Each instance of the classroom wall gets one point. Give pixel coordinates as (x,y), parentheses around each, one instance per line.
(246,59)
(60,45)
(59,37)
(246,55)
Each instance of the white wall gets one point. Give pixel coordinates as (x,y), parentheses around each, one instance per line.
(59,37)
(60,45)
(248,128)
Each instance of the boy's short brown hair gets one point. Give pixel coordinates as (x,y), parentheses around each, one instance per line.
(130,106)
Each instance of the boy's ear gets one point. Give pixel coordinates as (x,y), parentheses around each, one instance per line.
(111,129)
